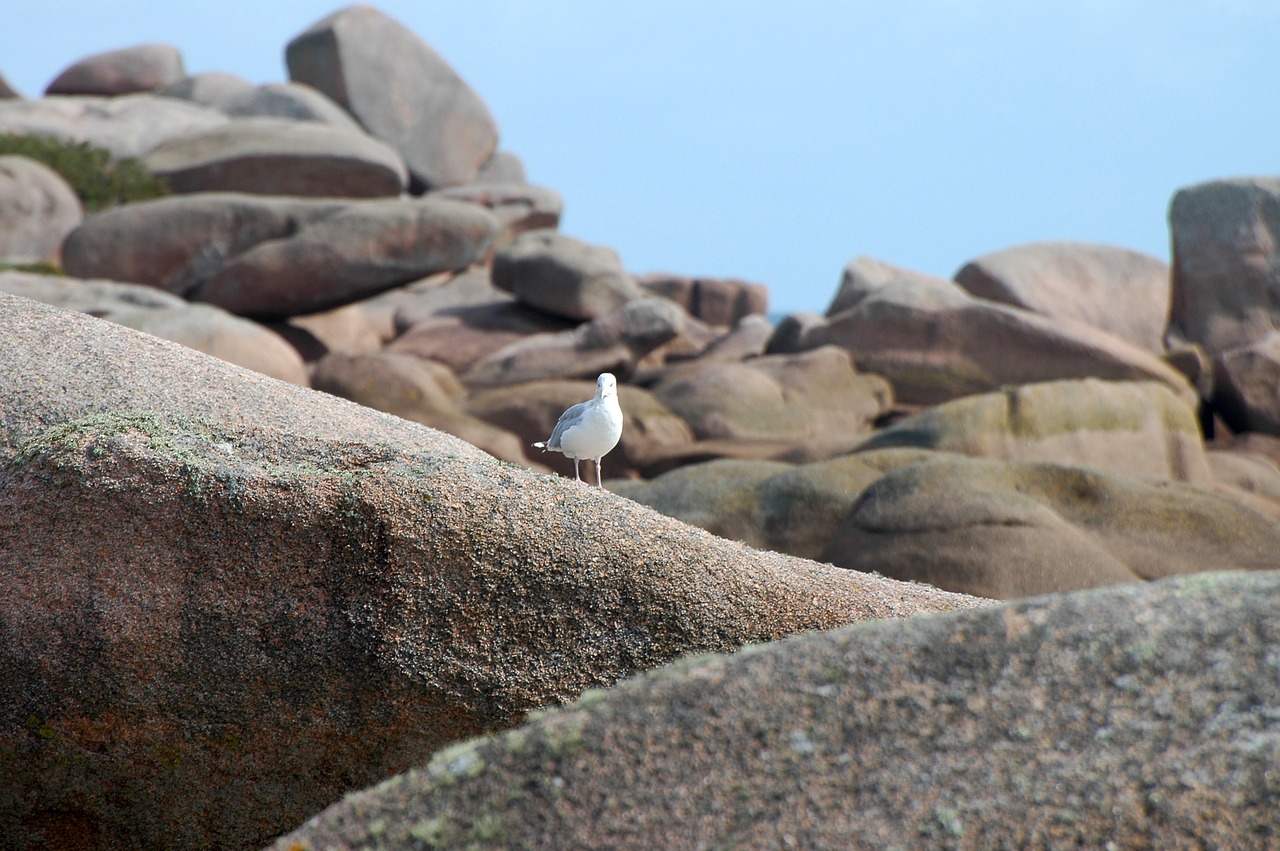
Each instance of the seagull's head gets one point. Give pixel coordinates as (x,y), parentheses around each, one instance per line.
(606,385)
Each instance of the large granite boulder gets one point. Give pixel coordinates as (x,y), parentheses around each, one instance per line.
(37,211)
(280,156)
(271,256)
(1141,716)
(246,598)
(1015,529)
(1226,263)
(935,342)
(563,276)
(400,89)
(1134,428)
(1123,292)
(121,72)
(127,126)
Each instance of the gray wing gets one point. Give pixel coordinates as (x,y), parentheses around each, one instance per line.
(567,419)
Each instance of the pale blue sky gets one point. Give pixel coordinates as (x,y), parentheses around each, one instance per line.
(775,141)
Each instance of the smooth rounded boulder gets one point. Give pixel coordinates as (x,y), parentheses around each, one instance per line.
(563,276)
(1122,292)
(37,211)
(121,72)
(279,156)
(1016,529)
(400,89)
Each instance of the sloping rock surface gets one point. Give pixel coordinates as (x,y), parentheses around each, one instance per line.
(228,600)
(1143,716)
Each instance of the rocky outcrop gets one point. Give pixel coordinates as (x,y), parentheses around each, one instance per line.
(249,597)
(935,342)
(1139,716)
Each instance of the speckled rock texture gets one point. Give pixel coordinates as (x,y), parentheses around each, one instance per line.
(228,600)
(1140,716)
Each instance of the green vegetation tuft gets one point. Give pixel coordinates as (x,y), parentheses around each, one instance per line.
(94,175)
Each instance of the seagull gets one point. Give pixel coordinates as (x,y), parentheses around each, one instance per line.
(589,429)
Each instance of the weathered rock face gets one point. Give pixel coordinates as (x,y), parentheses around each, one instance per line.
(269,256)
(934,342)
(121,72)
(1142,716)
(1133,428)
(1123,292)
(128,126)
(1226,265)
(1016,529)
(278,156)
(400,89)
(251,597)
(563,276)
(37,211)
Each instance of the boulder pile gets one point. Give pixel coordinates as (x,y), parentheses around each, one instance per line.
(272,529)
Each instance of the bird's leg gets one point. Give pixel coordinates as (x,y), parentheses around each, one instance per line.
(576,475)
(599,482)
